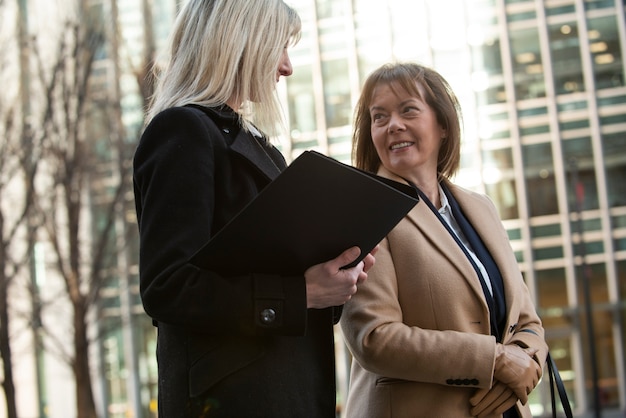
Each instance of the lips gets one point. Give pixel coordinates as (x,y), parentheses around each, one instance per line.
(399,145)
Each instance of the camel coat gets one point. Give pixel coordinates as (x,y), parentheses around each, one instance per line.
(419,329)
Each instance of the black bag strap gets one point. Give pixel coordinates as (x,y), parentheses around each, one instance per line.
(555,378)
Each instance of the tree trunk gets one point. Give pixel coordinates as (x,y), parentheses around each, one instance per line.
(5,347)
(85,405)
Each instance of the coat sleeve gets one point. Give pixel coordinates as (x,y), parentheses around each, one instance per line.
(175,195)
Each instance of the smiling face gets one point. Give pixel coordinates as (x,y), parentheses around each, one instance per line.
(405,132)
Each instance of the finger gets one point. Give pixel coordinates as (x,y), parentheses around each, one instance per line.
(505,405)
(531,351)
(500,402)
(368,262)
(488,400)
(345,258)
(478,396)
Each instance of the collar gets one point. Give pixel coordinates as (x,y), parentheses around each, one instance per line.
(251,145)
(443,199)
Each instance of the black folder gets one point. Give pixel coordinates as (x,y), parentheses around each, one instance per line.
(313,211)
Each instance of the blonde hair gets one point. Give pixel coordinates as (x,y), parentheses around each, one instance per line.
(220,49)
(437,94)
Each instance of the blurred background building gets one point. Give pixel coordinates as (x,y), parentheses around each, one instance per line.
(543,92)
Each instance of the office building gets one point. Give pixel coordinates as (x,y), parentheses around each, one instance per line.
(543,93)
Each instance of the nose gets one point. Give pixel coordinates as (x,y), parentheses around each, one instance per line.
(395,124)
(284,67)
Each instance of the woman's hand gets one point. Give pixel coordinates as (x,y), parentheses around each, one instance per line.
(516,368)
(492,402)
(328,284)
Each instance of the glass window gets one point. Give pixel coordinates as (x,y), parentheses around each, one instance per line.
(604,44)
(560,351)
(552,307)
(612,120)
(613,100)
(602,337)
(581,175)
(560,10)
(499,179)
(527,65)
(599,4)
(542,231)
(566,62)
(533,111)
(552,297)
(540,184)
(621,280)
(329,8)
(487,78)
(301,101)
(574,124)
(569,106)
(337,93)
(548,253)
(514,234)
(535,130)
(525,15)
(615,166)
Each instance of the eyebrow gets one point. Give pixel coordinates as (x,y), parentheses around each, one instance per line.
(412,99)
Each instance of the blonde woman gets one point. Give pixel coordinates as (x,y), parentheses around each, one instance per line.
(252,345)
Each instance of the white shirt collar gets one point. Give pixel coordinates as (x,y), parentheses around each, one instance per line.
(443,199)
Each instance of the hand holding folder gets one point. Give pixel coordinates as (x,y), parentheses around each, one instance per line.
(313,211)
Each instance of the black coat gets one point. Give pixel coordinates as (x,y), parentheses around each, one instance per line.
(194,169)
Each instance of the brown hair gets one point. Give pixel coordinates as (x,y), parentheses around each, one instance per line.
(438,95)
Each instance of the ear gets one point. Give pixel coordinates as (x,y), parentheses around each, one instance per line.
(443,133)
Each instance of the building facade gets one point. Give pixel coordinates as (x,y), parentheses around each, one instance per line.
(543,92)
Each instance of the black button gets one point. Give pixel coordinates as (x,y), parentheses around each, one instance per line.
(268,316)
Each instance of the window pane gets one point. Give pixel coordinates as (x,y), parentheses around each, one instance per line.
(578,155)
(604,43)
(527,64)
(539,173)
(499,179)
(567,65)
(337,92)
(301,100)
(615,165)
(602,337)
(487,78)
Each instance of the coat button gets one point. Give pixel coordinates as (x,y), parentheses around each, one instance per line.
(268,316)
(226,130)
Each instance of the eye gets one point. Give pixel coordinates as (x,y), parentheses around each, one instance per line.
(410,110)
(378,118)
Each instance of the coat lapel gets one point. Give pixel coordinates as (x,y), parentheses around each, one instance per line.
(493,236)
(264,158)
(439,238)
(259,155)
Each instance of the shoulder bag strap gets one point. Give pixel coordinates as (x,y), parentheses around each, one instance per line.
(555,378)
